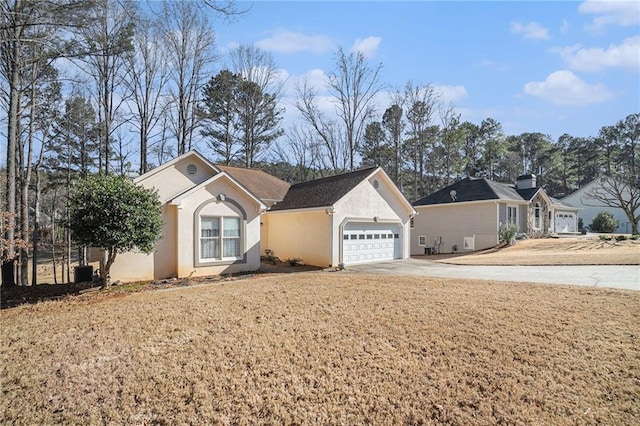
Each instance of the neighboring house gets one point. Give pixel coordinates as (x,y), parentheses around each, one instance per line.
(219,219)
(590,207)
(351,218)
(468,214)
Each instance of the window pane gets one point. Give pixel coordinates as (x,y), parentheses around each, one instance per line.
(209,248)
(209,227)
(209,234)
(231,226)
(231,247)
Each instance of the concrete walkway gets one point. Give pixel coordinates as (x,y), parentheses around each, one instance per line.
(626,277)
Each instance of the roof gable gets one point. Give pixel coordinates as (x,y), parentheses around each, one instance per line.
(323,192)
(596,184)
(178,175)
(261,184)
(193,154)
(218,177)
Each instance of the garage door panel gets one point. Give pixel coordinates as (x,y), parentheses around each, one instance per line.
(378,242)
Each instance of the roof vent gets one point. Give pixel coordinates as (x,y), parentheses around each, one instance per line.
(192,169)
(453,193)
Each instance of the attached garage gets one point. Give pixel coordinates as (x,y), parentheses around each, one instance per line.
(370,242)
(565,222)
(355,217)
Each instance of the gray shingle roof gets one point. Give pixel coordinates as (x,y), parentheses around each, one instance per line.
(322,192)
(259,183)
(476,189)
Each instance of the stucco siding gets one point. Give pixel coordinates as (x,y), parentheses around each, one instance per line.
(177,250)
(446,226)
(132,266)
(363,204)
(300,234)
(206,202)
(175,179)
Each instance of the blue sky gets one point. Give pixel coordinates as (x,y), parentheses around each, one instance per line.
(550,67)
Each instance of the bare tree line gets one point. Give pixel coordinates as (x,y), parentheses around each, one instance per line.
(80,79)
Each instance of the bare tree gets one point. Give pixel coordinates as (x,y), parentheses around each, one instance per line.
(300,149)
(106,44)
(189,41)
(421,102)
(30,31)
(147,78)
(616,193)
(353,85)
(450,143)
(336,156)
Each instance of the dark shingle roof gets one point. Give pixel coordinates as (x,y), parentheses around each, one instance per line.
(259,183)
(476,189)
(322,192)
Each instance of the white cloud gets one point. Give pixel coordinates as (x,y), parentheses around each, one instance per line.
(292,42)
(565,88)
(367,46)
(611,12)
(566,26)
(532,30)
(451,94)
(624,55)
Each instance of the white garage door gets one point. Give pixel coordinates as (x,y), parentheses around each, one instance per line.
(565,222)
(370,242)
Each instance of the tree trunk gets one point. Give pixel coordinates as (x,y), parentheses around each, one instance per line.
(105,271)
(8,275)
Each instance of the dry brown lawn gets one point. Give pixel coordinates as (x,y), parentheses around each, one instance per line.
(554,251)
(326,348)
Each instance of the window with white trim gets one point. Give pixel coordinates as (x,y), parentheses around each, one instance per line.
(216,245)
(512,214)
(537,215)
(422,240)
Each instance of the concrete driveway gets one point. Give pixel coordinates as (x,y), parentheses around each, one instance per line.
(626,277)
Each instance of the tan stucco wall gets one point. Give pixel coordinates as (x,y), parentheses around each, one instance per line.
(158,265)
(365,202)
(315,236)
(300,234)
(175,256)
(187,232)
(450,223)
(174,179)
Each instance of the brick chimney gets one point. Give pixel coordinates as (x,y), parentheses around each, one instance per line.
(526,181)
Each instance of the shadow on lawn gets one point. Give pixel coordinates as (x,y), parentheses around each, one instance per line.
(10,297)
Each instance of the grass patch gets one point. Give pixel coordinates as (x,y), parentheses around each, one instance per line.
(322,348)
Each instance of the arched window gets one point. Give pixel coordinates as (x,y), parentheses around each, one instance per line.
(537,215)
(219,232)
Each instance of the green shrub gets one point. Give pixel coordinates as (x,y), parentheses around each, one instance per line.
(620,237)
(508,233)
(604,222)
(604,237)
(634,237)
